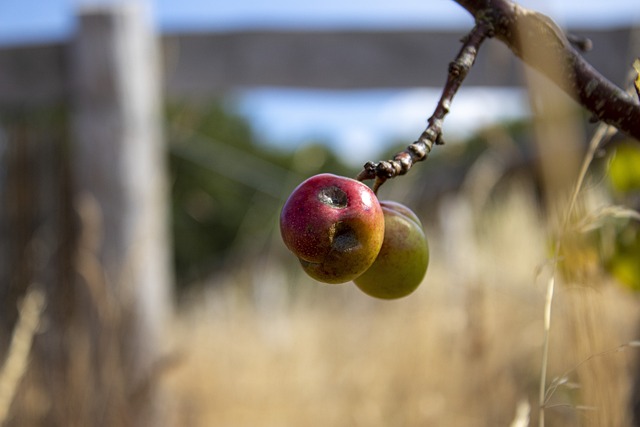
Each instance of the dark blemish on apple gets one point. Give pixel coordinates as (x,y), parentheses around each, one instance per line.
(344,238)
(333,196)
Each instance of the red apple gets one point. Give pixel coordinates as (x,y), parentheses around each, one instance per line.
(334,225)
(403,259)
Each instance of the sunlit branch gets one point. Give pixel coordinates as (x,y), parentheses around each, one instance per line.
(517,28)
(420,149)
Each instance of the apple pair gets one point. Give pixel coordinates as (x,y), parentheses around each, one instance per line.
(340,232)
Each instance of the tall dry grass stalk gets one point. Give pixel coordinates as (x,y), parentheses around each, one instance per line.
(558,139)
(17,357)
(602,133)
(85,366)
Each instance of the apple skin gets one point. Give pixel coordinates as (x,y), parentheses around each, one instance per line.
(403,259)
(334,225)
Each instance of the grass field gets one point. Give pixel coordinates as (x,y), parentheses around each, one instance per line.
(262,345)
(464,350)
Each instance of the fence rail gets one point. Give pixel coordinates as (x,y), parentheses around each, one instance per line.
(204,65)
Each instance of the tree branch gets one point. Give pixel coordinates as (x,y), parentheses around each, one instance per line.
(419,150)
(519,29)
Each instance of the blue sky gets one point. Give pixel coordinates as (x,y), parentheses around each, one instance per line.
(22,20)
(361,121)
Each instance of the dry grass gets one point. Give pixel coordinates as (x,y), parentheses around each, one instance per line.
(267,346)
(16,360)
(463,350)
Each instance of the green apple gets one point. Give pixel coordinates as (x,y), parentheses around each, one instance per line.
(403,259)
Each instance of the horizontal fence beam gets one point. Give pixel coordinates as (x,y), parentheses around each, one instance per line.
(335,60)
(206,65)
(34,76)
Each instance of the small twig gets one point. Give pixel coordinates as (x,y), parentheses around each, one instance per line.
(557,382)
(420,149)
(583,44)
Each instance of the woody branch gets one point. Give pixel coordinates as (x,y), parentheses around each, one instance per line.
(419,150)
(518,27)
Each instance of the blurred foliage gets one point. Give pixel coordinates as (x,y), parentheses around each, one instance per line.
(507,146)
(624,168)
(607,241)
(227,187)
(624,264)
(623,261)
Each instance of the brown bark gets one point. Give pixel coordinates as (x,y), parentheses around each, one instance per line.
(518,28)
(542,45)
